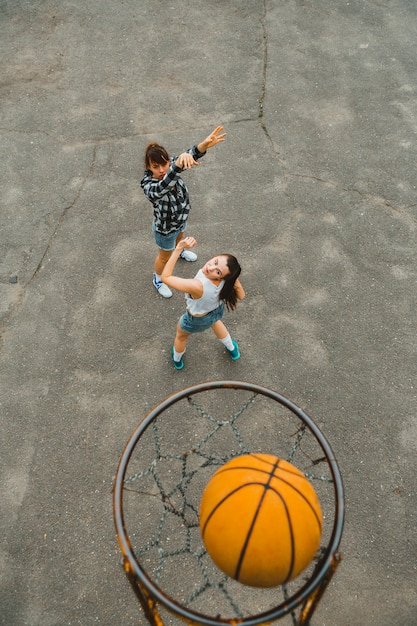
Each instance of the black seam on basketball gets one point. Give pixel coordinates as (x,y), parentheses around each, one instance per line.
(291,566)
(244,467)
(300,493)
(266,486)
(290,526)
(261,458)
(219,504)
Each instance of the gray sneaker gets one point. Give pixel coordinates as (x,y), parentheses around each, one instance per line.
(187,255)
(162,288)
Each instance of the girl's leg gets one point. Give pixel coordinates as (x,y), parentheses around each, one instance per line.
(161,261)
(181,339)
(178,349)
(222,333)
(220,330)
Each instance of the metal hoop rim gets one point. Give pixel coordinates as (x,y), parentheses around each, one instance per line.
(318,575)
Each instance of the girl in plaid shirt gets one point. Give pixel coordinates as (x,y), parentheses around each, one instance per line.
(163,186)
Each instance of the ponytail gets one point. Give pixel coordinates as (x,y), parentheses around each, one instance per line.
(228,292)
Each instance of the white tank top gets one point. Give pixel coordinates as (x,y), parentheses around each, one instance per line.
(210,299)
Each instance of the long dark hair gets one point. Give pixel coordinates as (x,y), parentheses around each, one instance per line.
(228,292)
(155,153)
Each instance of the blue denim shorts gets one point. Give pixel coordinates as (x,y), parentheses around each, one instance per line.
(167,242)
(192,324)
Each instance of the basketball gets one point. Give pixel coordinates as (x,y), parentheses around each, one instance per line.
(260,520)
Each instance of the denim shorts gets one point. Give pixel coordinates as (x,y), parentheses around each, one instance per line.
(167,242)
(192,324)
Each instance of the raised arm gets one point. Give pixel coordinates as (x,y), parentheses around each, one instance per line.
(186,285)
(240,292)
(213,139)
(186,160)
(155,189)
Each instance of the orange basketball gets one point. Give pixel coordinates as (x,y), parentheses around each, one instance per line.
(260,520)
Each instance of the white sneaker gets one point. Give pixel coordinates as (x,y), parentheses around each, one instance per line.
(187,255)
(162,288)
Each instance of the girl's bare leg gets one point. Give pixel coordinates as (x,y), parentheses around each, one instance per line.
(220,330)
(181,339)
(161,260)
(222,333)
(163,256)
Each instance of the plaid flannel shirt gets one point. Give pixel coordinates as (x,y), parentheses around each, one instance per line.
(169,196)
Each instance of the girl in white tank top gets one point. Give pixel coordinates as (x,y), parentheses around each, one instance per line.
(215,286)
(210,299)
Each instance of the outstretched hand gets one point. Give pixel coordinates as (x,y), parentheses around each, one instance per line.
(214,138)
(186,161)
(187,242)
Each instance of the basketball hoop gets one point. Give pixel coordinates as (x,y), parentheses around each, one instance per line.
(162,473)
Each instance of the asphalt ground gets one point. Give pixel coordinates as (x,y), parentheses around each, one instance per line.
(314,190)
